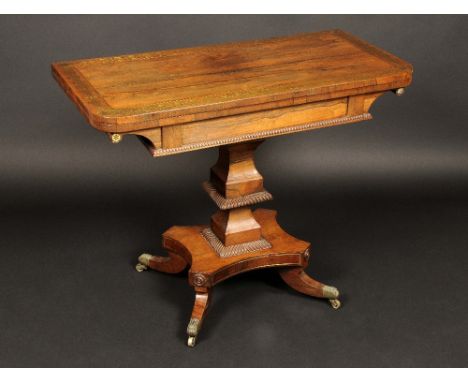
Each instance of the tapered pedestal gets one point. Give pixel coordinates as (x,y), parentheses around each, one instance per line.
(238,239)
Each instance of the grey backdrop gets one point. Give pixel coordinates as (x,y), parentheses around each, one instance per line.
(384,204)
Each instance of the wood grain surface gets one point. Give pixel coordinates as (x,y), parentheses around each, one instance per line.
(163,88)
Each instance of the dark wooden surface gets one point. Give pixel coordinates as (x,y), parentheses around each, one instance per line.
(162,88)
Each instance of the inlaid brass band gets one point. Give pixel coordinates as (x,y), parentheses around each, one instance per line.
(233,250)
(227,204)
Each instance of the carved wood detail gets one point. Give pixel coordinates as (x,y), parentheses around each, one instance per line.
(158,152)
(226,204)
(236,249)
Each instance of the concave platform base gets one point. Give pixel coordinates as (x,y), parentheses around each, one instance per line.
(186,245)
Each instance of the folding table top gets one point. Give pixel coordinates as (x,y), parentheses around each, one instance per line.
(162,88)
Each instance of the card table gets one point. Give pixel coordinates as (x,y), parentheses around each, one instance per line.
(233,96)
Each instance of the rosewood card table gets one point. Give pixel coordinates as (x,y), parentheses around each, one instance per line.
(233,96)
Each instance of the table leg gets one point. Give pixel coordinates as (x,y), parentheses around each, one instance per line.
(202,301)
(297,279)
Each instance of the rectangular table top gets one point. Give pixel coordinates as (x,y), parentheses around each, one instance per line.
(163,88)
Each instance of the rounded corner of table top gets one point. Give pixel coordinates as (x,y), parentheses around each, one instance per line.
(99,115)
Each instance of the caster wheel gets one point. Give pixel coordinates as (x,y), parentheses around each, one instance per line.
(140,267)
(335,303)
(191,341)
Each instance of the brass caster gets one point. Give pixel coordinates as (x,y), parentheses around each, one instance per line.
(141,267)
(191,341)
(143,262)
(335,303)
(330,292)
(192,330)
(116,138)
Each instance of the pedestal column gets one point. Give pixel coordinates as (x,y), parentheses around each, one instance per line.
(235,184)
(238,239)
